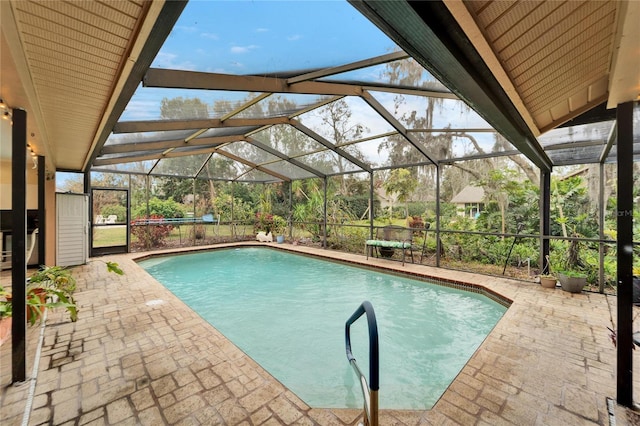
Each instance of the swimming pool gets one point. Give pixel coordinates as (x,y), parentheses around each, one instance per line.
(288,312)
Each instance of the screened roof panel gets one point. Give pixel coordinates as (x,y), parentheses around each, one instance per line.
(420,112)
(223,168)
(469,143)
(576,155)
(614,153)
(400,74)
(254,175)
(288,169)
(270,36)
(368,151)
(288,140)
(134,167)
(328,162)
(347,119)
(227,131)
(149,103)
(249,152)
(282,105)
(593,132)
(181,166)
(386,151)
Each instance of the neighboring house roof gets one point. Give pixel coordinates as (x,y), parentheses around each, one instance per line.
(384,198)
(469,194)
(579,172)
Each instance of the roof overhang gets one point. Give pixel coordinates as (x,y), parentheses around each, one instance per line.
(74,66)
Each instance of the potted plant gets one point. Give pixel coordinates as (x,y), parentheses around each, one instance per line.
(547,279)
(51,287)
(572,281)
(279,228)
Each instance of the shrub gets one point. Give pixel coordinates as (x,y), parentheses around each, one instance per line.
(160,208)
(416,222)
(115,209)
(279,225)
(349,239)
(263,222)
(359,204)
(152,235)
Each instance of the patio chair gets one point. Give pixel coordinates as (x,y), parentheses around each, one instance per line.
(7,254)
(99,220)
(111,219)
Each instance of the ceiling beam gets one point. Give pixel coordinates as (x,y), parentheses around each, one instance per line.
(163,125)
(177,79)
(164,145)
(409,91)
(383,59)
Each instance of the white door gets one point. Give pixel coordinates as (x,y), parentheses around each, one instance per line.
(72,217)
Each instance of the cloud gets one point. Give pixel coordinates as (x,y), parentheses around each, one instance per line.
(141,110)
(243,49)
(170,61)
(211,36)
(186,29)
(294,37)
(262,30)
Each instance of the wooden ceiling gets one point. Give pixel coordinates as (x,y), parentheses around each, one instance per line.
(557,55)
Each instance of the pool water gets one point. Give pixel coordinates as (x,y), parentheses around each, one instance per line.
(288,313)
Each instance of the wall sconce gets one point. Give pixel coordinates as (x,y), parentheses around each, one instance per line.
(5,110)
(31,151)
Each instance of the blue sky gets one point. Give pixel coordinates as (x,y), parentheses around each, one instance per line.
(244,37)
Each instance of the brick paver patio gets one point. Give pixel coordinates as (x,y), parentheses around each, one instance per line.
(139,356)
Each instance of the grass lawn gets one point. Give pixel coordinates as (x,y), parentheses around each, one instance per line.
(108,236)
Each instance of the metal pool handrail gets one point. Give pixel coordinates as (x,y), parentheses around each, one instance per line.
(369,392)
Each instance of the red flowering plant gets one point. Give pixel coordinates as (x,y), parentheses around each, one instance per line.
(263,222)
(151,231)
